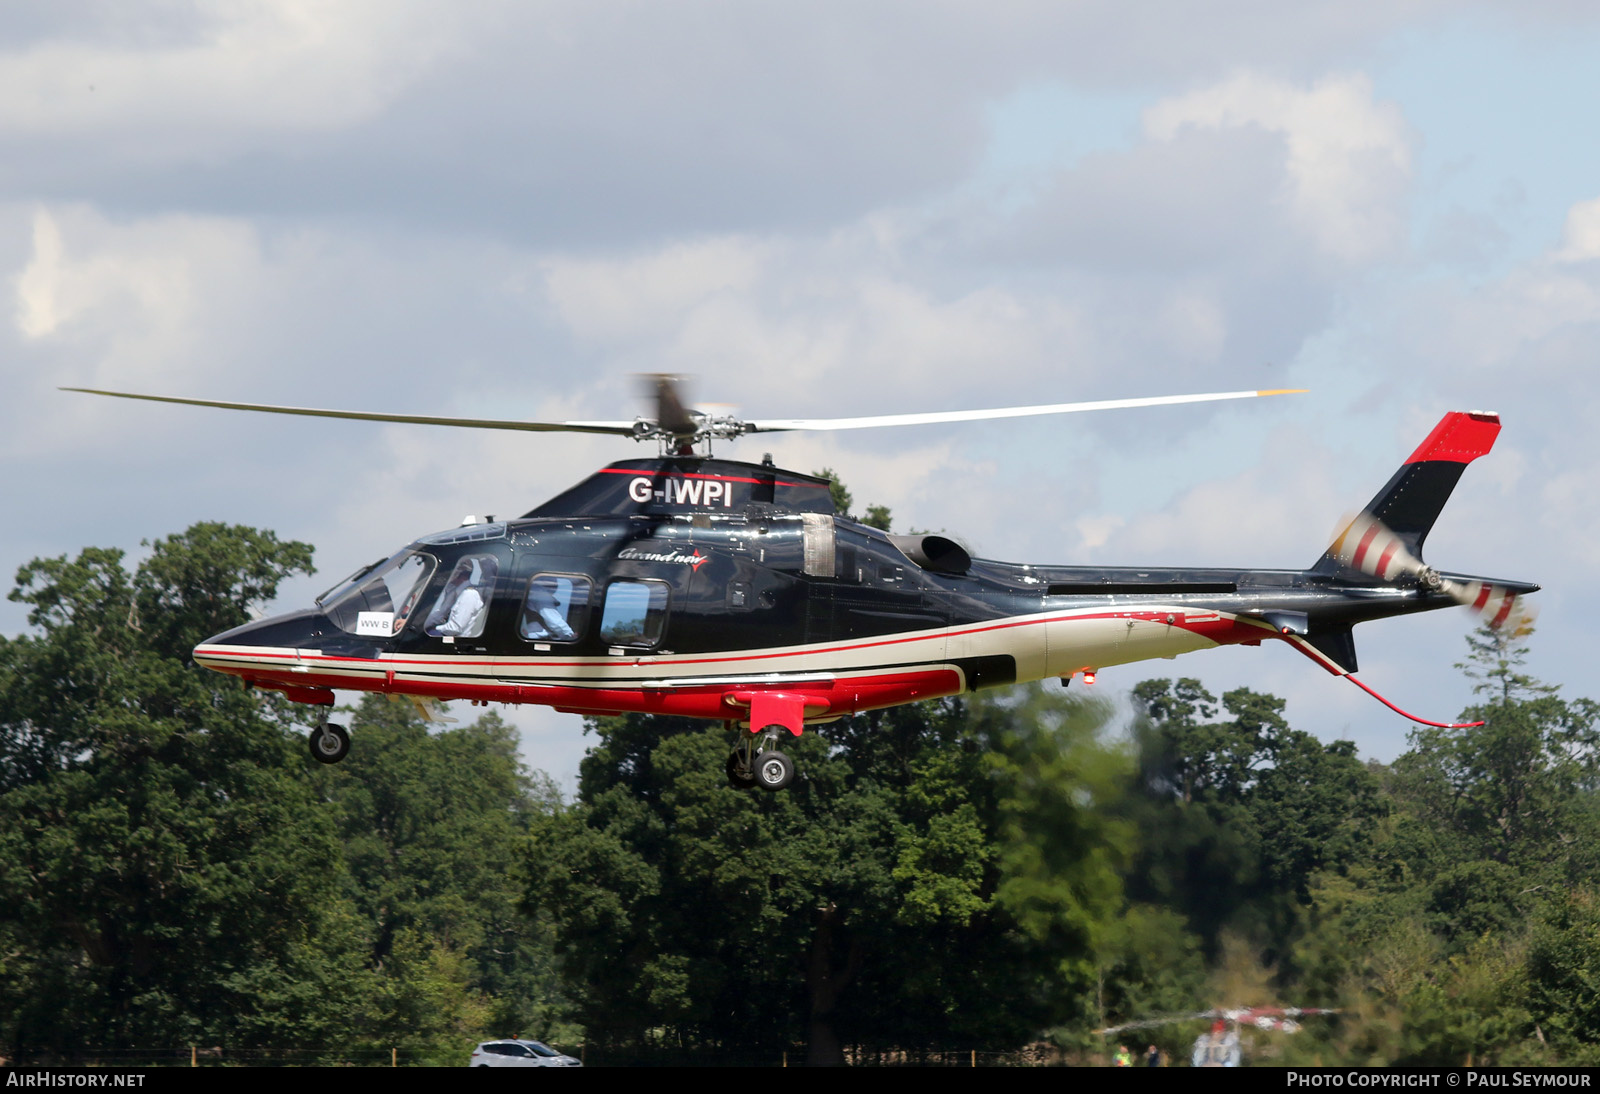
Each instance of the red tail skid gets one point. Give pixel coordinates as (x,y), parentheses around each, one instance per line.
(1420,721)
(1316,655)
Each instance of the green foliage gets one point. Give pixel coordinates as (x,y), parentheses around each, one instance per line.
(1515,790)
(698,916)
(1563,971)
(174,870)
(877,516)
(432,824)
(156,842)
(1239,815)
(1063,846)
(1465,931)
(1494,661)
(842,498)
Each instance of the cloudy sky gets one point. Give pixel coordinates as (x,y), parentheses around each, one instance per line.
(506,209)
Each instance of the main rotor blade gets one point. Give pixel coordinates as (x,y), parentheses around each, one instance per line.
(774,425)
(620,428)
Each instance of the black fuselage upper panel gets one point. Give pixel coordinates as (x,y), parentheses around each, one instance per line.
(734,556)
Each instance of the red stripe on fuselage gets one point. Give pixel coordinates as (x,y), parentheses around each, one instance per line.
(657,474)
(847,696)
(867,691)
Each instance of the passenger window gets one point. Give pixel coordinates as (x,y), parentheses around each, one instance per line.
(634,614)
(463,607)
(555,609)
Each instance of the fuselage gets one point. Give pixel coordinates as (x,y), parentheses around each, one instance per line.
(690,586)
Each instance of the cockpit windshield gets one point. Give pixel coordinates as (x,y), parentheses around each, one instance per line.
(377,601)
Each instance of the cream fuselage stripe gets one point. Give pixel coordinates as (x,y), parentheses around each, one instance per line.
(811,658)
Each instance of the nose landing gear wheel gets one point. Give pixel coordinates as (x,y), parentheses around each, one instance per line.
(774,770)
(329,743)
(739,776)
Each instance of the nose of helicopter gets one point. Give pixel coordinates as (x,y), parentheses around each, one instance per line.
(265,643)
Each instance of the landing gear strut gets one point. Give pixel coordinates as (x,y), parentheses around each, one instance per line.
(739,776)
(766,767)
(329,743)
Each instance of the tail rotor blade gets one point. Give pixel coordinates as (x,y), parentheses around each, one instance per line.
(1496,605)
(1367,545)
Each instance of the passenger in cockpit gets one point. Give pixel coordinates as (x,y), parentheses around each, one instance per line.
(464,603)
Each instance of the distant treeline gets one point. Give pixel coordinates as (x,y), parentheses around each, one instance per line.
(962,875)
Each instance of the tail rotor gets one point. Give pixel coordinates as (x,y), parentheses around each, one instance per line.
(1367,544)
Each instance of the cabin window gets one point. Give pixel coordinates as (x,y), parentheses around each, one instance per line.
(635,613)
(463,606)
(555,609)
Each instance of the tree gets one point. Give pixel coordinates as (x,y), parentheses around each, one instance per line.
(705,917)
(1465,931)
(432,823)
(877,516)
(1239,815)
(158,848)
(1495,658)
(1501,811)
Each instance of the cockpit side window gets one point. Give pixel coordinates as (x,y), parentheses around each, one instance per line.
(463,606)
(379,601)
(555,609)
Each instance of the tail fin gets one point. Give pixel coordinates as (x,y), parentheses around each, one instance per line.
(1414,497)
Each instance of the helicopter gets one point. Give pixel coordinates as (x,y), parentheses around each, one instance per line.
(709,588)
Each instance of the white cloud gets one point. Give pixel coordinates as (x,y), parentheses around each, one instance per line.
(1095,532)
(39,287)
(291,65)
(1195,325)
(1348,157)
(1581,238)
(794,328)
(132,290)
(1275,513)
(608,300)
(1484,330)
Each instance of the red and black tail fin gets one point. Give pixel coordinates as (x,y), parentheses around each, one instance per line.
(1412,500)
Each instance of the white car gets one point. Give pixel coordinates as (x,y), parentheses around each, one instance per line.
(514,1053)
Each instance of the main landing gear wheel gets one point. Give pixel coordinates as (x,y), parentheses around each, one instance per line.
(329,743)
(739,776)
(774,770)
